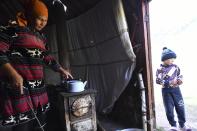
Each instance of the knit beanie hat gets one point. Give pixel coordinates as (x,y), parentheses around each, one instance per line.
(33,9)
(167,54)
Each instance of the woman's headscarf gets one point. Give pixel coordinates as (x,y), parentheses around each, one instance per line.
(32,10)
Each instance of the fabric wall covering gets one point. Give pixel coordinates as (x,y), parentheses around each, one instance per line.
(101,52)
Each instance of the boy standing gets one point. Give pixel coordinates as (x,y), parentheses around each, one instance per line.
(168,75)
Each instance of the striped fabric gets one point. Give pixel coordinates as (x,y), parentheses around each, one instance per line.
(25,50)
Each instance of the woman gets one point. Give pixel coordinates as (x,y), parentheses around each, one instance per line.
(22,54)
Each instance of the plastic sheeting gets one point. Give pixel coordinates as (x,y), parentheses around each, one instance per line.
(101,52)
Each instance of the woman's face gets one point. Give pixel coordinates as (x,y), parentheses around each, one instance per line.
(40,22)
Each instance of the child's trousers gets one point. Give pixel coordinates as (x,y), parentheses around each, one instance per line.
(172,99)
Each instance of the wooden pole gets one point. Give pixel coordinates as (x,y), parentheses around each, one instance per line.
(148,67)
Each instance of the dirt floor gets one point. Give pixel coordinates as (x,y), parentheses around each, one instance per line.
(191,111)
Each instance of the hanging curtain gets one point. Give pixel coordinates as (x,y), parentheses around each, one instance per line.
(101,52)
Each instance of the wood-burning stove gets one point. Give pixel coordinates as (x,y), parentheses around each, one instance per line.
(77,111)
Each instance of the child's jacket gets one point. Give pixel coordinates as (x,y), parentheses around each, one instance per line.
(166,74)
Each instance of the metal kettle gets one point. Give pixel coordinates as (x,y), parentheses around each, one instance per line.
(75,85)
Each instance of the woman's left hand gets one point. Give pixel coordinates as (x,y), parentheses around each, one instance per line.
(66,74)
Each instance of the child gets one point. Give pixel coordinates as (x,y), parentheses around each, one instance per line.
(168,75)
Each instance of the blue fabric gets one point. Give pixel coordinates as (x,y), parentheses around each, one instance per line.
(167,54)
(172,98)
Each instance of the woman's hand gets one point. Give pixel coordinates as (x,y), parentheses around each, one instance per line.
(15,78)
(66,74)
(17,82)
